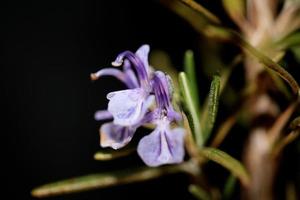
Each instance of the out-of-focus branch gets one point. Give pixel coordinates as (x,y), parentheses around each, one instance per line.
(200,9)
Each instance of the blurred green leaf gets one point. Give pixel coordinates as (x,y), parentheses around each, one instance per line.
(296,52)
(291,191)
(230,163)
(283,142)
(212,107)
(199,192)
(217,33)
(279,82)
(229,187)
(235,9)
(289,41)
(189,68)
(189,104)
(110,154)
(201,10)
(295,124)
(103,180)
(276,129)
(224,129)
(198,22)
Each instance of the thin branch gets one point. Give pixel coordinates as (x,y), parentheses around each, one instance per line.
(199,8)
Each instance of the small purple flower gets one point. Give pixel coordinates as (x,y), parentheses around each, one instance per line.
(129,106)
(130,109)
(164,145)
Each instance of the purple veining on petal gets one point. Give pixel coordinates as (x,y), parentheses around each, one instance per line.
(143,53)
(102,115)
(115,136)
(161,90)
(130,75)
(126,106)
(162,146)
(139,63)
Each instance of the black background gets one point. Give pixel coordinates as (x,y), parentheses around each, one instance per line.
(50,48)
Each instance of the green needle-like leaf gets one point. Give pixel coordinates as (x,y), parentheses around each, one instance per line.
(110,154)
(103,180)
(295,124)
(290,41)
(230,163)
(201,10)
(229,187)
(189,68)
(292,136)
(235,9)
(189,104)
(199,192)
(212,106)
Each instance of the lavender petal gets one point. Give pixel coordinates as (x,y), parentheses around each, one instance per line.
(115,136)
(142,53)
(162,146)
(126,106)
(102,115)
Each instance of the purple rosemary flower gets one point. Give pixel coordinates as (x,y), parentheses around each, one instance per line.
(164,145)
(130,109)
(129,106)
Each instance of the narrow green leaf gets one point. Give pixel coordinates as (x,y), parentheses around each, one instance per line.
(201,10)
(235,9)
(280,84)
(104,180)
(110,154)
(283,142)
(189,68)
(192,17)
(295,124)
(199,192)
(275,130)
(229,187)
(230,163)
(296,52)
(224,129)
(212,106)
(291,191)
(290,41)
(190,107)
